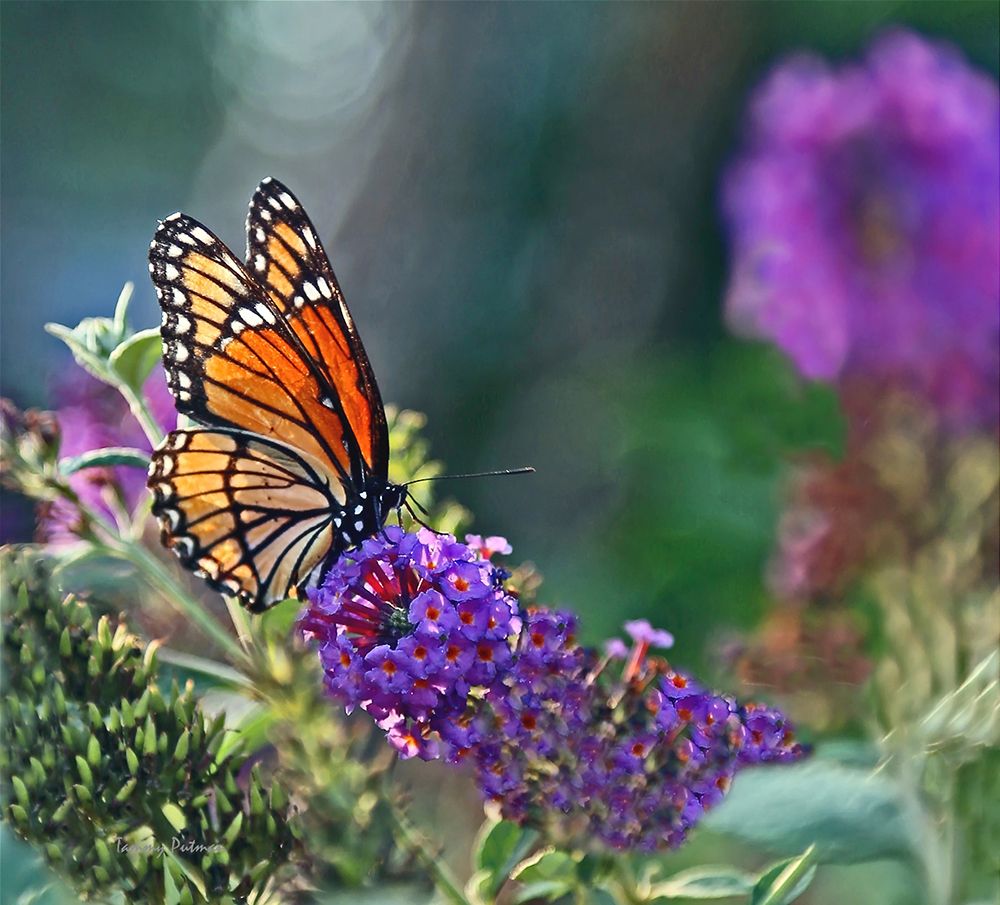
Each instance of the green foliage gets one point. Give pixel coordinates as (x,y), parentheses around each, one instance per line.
(107,349)
(120,785)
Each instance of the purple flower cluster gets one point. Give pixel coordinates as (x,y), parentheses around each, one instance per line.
(633,759)
(407,625)
(417,630)
(864,216)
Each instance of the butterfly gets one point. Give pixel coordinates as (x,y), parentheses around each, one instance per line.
(287,466)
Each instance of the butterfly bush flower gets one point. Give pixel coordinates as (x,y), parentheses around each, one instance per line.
(407,625)
(633,756)
(863,215)
(92,415)
(418,630)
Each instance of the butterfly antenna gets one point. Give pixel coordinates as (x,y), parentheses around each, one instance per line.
(525,469)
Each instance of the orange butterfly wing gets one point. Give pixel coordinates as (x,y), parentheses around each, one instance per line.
(286,256)
(231,358)
(249,515)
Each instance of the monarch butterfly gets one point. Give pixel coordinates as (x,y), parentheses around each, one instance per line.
(289,464)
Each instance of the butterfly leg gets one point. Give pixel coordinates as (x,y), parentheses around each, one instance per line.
(417,518)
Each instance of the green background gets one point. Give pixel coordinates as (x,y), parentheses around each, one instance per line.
(520,201)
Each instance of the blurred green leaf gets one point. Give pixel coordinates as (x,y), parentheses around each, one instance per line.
(707,882)
(499,848)
(784,882)
(547,865)
(851,815)
(276,624)
(103,458)
(546,890)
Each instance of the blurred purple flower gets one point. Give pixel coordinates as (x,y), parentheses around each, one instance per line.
(864,222)
(93,415)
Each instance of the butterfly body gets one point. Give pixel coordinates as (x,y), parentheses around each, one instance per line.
(288,466)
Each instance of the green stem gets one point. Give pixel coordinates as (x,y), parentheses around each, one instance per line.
(140,410)
(411,838)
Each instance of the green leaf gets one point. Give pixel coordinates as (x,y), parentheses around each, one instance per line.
(276,624)
(83,345)
(547,864)
(707,882)
(133,359)
(175,816)
(499,848)
(851,815)
(548,890)
(105,458)
(784,882)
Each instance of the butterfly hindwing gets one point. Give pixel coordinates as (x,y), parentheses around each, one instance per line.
(248,514)
(285,255)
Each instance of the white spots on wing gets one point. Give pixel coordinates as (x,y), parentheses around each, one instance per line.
(259,262)
(174,216)
(167,466)
(311,292)
(274,203)
(267,180)
(358,525)
(358,510)
(164,319)
(183,396)
(324,287)
(152,266)
(327,401)
(225,341)
(346,535)
(238,327)
(170,271)
(363,495)
(298,301)
(164,491)
(202,235)
(288,201)
(184,380)
(180,352)
(175,251)
(307,234)
(185,238)
(231,585)
(176,441)
(260,235)
(179,297)
(250,317)
(174,517)
(183,324)
(265,312)
(265,215)
(336,522)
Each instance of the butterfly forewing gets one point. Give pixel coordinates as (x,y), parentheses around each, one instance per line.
(231,360)
(285,255)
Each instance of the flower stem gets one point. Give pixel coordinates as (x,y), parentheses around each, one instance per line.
(140,411)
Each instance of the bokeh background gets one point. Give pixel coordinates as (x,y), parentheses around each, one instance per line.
(521,204)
